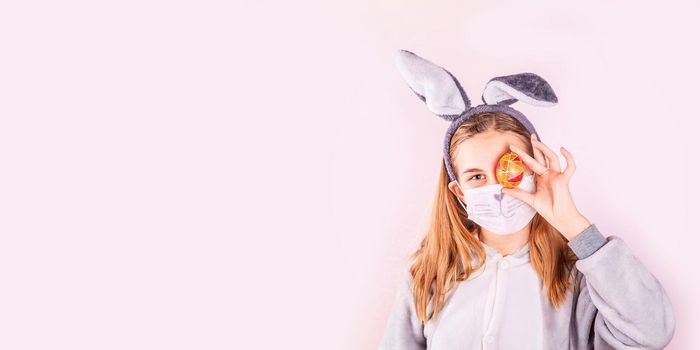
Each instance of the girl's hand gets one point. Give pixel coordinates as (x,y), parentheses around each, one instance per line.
(552,198)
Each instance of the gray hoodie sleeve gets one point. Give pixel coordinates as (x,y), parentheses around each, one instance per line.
(619,298)
(403,329)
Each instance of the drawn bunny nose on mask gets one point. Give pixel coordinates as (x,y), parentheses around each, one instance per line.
(500,204)
(498,212)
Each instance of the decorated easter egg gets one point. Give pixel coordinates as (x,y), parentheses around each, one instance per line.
(510,170)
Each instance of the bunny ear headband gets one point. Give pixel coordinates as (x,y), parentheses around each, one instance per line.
(444,96)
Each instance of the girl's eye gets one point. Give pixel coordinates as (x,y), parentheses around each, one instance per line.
(476,176)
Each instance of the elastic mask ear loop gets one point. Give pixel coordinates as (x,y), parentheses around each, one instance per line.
(465,210)
(460,201)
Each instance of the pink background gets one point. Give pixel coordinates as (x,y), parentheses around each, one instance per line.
(208,175)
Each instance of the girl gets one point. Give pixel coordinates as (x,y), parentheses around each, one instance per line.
(518,268)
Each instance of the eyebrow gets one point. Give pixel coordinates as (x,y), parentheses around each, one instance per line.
(470,170)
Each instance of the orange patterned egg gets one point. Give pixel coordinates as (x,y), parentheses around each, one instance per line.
(510,170)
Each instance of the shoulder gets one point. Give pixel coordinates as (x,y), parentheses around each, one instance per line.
(406,283)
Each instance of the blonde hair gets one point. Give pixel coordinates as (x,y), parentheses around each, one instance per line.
(450,245)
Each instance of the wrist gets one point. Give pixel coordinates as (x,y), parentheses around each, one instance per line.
(574,226)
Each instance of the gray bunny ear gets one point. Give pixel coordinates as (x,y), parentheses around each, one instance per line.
(526,87)
(437,87)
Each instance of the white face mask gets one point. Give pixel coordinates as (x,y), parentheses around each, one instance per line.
(496,211)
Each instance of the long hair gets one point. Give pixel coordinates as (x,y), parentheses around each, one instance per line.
(451,251)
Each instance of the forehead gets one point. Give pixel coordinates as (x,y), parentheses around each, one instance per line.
(485,149)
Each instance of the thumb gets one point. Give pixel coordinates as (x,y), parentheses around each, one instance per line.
(521,194)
